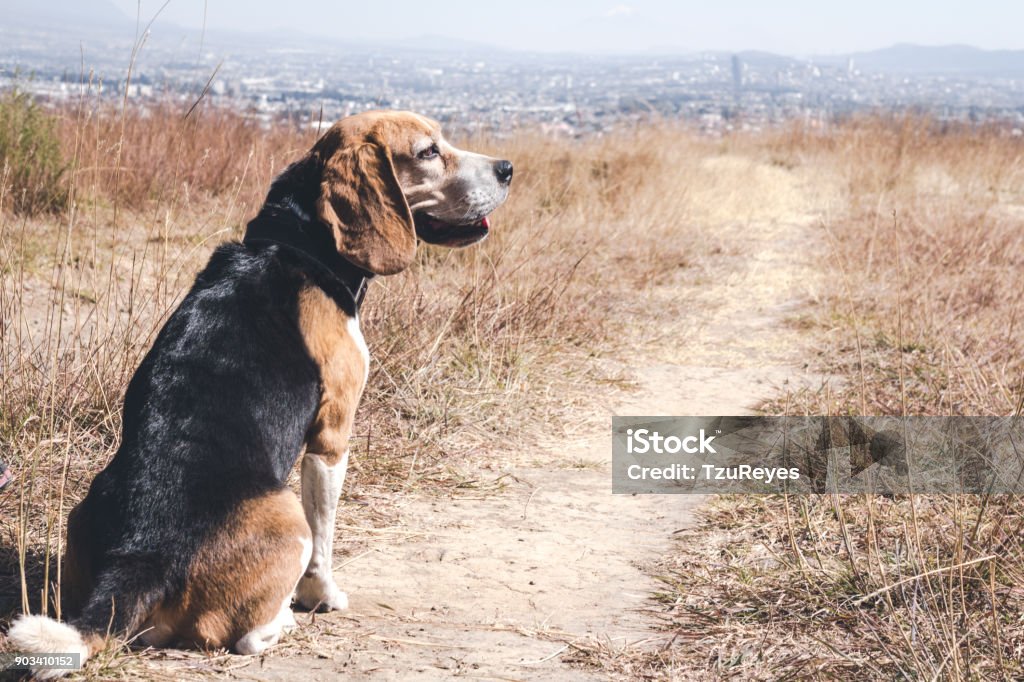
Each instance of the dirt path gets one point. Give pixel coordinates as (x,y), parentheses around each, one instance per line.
(496,587)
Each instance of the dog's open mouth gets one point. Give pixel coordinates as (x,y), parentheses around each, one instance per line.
(435,231)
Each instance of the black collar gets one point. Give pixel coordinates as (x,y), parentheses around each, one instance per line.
(281,223)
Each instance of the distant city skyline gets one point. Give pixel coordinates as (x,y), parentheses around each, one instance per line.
(54,48)
(796,27)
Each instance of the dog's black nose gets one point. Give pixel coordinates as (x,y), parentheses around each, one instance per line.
(503,169)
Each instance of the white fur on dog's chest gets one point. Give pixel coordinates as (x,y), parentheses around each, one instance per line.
(357,337)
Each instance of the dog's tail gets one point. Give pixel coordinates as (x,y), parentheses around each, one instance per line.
(44,635)
(120,603)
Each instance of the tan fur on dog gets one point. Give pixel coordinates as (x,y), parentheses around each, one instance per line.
(329,339)
(240,577)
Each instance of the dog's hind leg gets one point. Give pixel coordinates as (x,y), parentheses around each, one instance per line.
(263,636)
(239,587)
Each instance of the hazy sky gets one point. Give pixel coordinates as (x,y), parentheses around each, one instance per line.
(785,26)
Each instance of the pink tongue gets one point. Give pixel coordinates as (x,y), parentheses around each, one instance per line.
(485,224)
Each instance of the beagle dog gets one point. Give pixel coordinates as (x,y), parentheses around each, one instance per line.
(190,536)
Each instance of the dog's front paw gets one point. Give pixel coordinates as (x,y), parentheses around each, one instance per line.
(320,594)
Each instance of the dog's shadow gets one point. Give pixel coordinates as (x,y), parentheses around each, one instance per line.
(10,581)
(10,567)
(10,588)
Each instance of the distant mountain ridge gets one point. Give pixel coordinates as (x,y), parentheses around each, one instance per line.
(69,16)
(905,58)
(940,59)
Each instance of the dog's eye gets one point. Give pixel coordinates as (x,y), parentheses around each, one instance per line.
(430,152)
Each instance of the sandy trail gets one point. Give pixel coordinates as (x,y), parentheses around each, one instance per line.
(496,587)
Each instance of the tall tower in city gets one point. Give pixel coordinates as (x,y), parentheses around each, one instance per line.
(737,73)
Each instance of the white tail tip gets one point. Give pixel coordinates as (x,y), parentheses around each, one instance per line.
(42,635)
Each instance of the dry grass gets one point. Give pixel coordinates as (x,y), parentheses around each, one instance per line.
(927,249)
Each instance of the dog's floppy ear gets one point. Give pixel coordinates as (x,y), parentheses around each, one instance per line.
(362,202)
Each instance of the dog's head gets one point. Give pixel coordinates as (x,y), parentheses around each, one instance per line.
(389,177)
